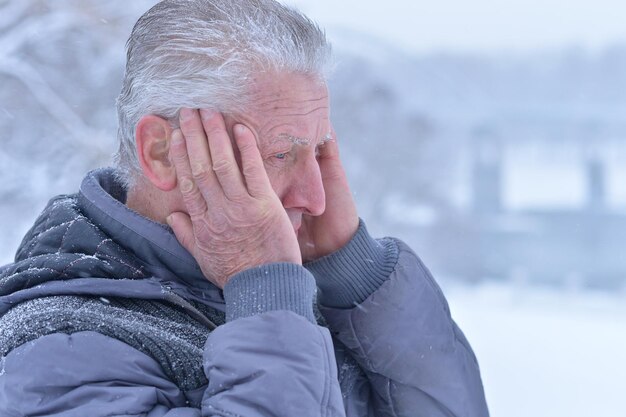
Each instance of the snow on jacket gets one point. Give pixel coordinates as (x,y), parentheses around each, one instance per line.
(103,313)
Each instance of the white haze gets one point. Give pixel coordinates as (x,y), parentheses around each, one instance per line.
(476,26)
(536,277)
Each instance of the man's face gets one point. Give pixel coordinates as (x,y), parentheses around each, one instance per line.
(290,119)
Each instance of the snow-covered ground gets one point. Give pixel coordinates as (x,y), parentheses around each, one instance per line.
(545,353)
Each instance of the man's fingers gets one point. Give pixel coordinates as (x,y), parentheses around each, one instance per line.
(200,163)
(222,155)
(330,149)
(330,162)
(251,162)
(194,200)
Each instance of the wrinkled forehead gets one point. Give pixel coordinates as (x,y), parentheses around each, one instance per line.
(289,92)
(292,107)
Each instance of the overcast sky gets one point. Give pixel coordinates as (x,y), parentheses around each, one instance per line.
(477,25)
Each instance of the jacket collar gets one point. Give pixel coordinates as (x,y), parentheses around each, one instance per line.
(102,199)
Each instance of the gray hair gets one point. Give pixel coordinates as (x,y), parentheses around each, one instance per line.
(203,54)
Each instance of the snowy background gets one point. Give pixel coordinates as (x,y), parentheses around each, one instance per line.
(489,135)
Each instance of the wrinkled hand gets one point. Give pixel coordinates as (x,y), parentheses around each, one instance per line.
(322,235)
(234,219)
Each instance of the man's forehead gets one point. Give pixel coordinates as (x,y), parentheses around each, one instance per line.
(287,93)
(290,108)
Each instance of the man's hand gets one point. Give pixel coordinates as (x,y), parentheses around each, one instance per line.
(322,235)
(233,221)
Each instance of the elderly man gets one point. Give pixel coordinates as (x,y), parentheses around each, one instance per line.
(265,296)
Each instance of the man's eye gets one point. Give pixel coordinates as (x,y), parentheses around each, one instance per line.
(280,159)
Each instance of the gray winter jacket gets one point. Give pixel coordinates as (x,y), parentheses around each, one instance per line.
(103,313)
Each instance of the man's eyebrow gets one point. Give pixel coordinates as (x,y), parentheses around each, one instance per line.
(296,140)
(301,141)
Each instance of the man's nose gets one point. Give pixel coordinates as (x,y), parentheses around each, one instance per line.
(307,190)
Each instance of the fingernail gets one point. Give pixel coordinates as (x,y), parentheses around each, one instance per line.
(168,219)
(239,129)
(207,114)
(177,136)
(186,113)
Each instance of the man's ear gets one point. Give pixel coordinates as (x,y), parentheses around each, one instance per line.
(153,137)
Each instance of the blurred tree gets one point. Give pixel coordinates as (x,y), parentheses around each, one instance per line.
(61,64)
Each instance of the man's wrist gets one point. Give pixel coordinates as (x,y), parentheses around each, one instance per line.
(351,274)
(276,286)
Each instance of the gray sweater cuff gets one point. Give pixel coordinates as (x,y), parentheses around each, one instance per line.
(277,286)
(351,274)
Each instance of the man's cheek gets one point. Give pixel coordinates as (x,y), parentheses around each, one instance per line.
(277,180)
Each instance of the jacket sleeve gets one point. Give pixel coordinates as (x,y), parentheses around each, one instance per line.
(384,307)
(269,359)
